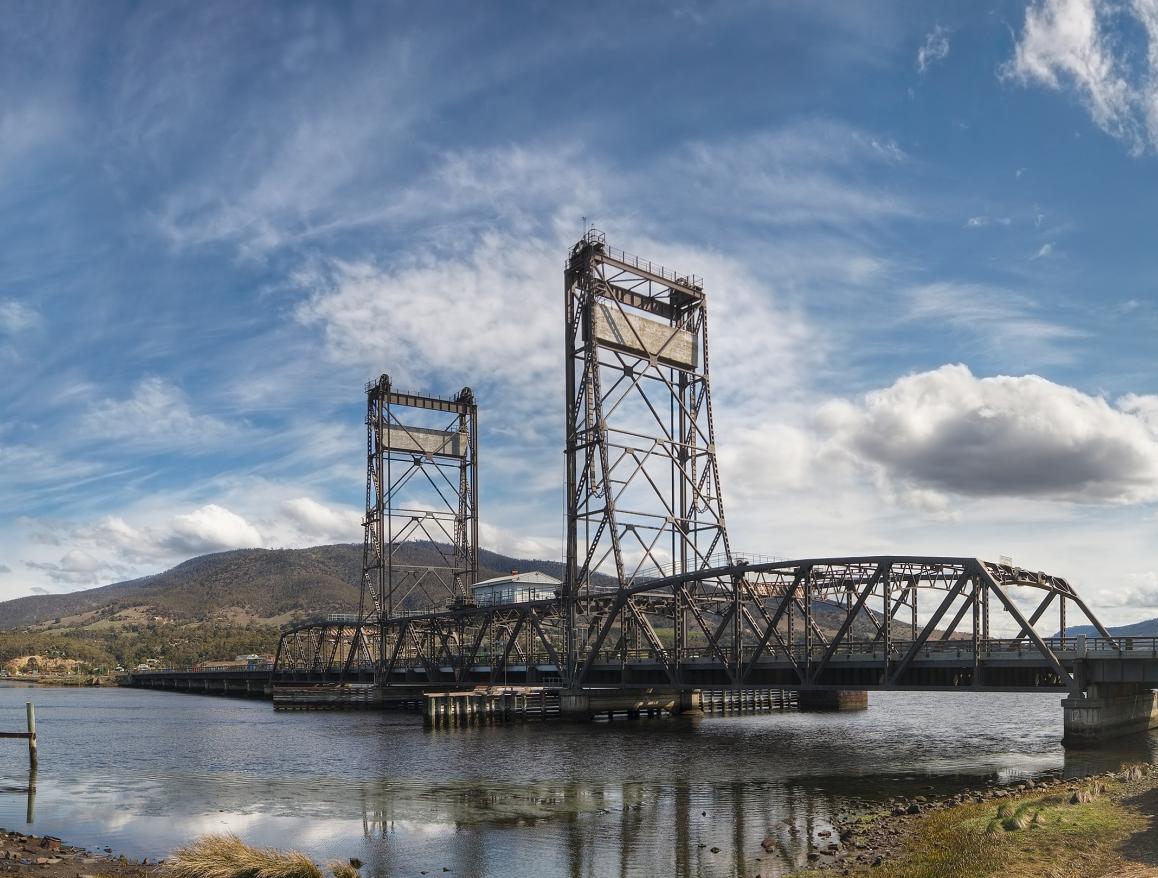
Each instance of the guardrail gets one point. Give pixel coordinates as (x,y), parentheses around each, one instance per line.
(1068,648)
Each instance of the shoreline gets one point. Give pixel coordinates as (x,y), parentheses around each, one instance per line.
(1072,818)
(1100,824)
(52,857)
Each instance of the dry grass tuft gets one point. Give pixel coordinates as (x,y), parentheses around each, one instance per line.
(227,856)
(343,870)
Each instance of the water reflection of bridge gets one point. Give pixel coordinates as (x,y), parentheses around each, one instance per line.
(655,603)
(759,828)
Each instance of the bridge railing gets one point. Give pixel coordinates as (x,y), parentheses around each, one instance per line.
(1067,648)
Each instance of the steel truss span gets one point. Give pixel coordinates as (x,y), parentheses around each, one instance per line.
(653,593)
(845,623)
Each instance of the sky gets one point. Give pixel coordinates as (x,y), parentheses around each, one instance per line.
(925,232)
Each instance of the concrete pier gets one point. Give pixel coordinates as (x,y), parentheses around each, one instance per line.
(1108,710)
(819,700)
(589,704)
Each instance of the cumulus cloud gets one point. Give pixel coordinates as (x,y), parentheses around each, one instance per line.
(209,528)
(1074,45)
(1022,437)
(157,414)
(934,49)
(322,523)
(212,528)
(1045,250)
(118,547)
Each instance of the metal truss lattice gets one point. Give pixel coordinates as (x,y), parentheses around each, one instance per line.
(643,489)
(421,524)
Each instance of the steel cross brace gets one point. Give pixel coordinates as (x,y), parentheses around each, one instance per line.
(865,593)
(930,626)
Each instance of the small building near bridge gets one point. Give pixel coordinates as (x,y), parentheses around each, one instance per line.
(515,588)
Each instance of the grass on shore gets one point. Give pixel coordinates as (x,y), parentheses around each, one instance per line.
(1030,836)
(226,856)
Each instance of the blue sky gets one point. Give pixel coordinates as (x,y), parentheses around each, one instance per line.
(924,230)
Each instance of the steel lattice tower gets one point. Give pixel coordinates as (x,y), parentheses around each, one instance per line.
(643,488)
(421,488)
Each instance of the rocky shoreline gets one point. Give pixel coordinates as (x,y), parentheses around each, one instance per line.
(49,857)
(864,841)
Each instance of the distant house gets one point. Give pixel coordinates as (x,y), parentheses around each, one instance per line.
(516,588)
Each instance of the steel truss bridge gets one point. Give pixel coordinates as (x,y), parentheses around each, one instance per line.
(653,594)
(903,622)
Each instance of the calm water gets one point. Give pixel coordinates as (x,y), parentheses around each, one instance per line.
(144,771)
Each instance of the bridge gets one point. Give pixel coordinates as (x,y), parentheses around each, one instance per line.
(655,605)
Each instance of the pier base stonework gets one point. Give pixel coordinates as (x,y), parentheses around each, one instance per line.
(1108,710)
(831,699)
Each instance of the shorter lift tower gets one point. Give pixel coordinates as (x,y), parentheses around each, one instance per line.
(420,554)
(421,524)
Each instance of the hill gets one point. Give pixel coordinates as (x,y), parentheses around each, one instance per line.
(1146,628)
(271,585)
(209,607)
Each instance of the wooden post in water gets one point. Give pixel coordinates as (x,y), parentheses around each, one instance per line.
(33,759)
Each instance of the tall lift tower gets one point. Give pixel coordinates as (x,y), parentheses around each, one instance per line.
(643,488)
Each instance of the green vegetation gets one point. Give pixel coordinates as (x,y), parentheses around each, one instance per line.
(1056,834)
(171,644)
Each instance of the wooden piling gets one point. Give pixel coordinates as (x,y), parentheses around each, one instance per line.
(33,756)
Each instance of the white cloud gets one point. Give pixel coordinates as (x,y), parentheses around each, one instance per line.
(484,317)
(983,220)
(1003,321)
(162,530)
(157,414)
(935,48)
(803,174)
(518,544)
(1073,44)
(1021,437)
(78,567)
(1045,250)
(212,528)
(323,524)
(16,317)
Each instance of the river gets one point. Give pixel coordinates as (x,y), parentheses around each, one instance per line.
(142,772)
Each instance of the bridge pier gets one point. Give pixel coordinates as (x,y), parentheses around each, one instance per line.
(1108,710)
(585,705)
(819,700)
